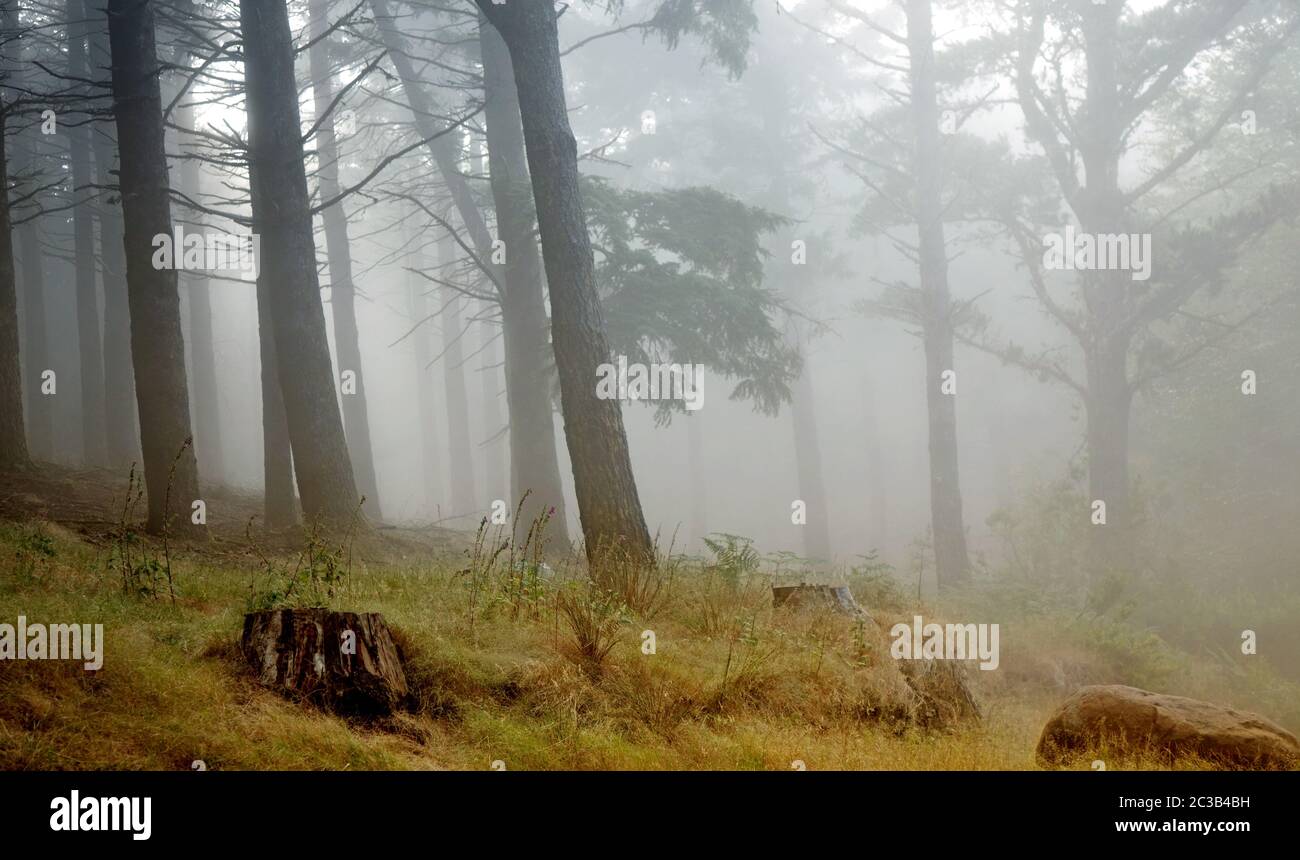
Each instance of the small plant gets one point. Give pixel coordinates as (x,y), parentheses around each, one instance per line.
(733,556)
(34,551)
(141,573)
(643,586)
(316,577)
(597,621)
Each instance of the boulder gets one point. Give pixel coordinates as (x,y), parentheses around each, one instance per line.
(1168,725)
(802,596)
(344,662)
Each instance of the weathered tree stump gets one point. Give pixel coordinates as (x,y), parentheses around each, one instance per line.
(803,596)
(1171,725)
(342,661)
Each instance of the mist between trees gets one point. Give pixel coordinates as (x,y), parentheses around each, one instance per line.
(956,273)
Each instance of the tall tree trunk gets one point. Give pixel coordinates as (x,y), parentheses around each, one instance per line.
(426,410)
(877,479)
(1109,405)
(203,351)
(952,563)
(534,463)
(356,419)
(35,340)
(121,428)
(494,451)
(282,215)
(94,447)
(13,431)
(280,505)
(808,464)
(157,349)
(459,448)
(608,505)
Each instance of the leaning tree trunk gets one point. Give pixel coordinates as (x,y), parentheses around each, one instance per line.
(13,432)
(121,430)
(282,217)
(356,418)
(608,505)
(94,447)
(534,463)
(952,564)
(157,348)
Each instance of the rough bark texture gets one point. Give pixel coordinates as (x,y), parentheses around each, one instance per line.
(157,348)
(13,431)
(347,339)
(608,505)
(282,217)
(280,505)
(121,427)
(535,467)
(1115,716)
(342,661)
(952,564)
(94,445)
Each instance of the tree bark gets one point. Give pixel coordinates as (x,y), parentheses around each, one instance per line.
(952,564)
(535,466)
(494,452)
(157,348)
(13,431)
(608,505)
(121,427)
(347,340)
(94,447)
(282,218)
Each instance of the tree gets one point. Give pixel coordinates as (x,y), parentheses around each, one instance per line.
(157,347)
(282,219)
(356,419)
(608,505)
(89,344)
(13,432)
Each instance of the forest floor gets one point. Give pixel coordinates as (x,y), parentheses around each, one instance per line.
(494,664)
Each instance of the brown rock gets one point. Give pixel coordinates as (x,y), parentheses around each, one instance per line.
(1171,725)
(342,661)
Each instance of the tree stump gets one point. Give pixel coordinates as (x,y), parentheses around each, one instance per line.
(344,662)
(803,596)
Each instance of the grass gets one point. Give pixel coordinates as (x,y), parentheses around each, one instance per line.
(559,682)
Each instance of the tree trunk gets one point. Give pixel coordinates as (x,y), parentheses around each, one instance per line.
(808,463)
(203,352)
(459,448)
(608,505)
(13,431)
(94,447)
(1109,405)
(952,563)
(430,462)
(494,452)
(280,506)
(157,348)
(282,217)
(121,428)
(356,418)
